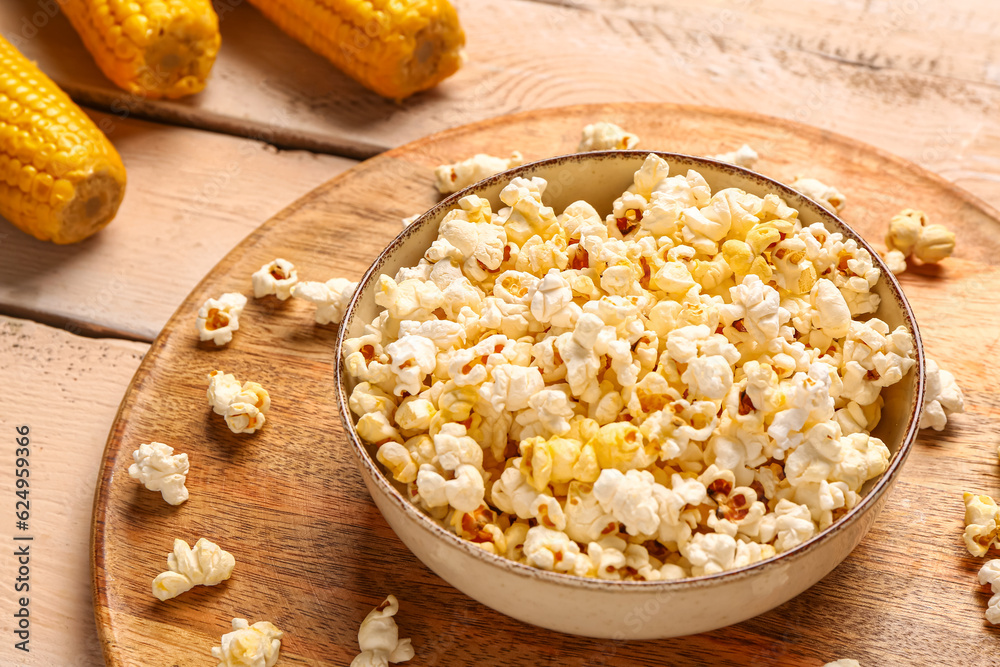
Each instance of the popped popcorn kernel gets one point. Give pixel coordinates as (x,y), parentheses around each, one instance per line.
(206,564)
(989,574)
(942,397)
(982,520)
(159,469)
(258,645)
(331,298)
(378,638)
(219,318)
(685,386)
(605,136)
(243,406)
(277,278)
(450,178)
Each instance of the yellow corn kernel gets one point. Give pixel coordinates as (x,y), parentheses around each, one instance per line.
(62,196)
(153,48)
(394,48)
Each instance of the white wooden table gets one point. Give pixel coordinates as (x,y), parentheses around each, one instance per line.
(919,79)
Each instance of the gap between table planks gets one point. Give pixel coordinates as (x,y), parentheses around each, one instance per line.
(313,554)
(919,80)
(191,196)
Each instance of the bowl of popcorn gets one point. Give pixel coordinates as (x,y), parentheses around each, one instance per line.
(627,394)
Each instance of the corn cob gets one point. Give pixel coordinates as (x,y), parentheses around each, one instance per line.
(394,47)
(61,179)
(153,48)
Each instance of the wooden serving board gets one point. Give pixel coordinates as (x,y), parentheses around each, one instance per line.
(313,553)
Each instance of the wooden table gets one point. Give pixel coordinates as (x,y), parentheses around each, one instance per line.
(917,80)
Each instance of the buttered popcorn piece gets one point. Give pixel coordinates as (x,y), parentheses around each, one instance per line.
(159,469)
(895,260)
(982,519)
(277,278)
(604,136)
(206,564)
(684,387)
(825,195)
(450,178)
(256,645)
(331,298)
(942,397)
(378,638)
(219,318)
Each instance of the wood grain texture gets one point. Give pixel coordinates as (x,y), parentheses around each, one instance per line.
(919,79)
(314,555)
(66,389)
(191,196)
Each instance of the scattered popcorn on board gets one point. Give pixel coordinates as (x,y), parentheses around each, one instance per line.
(378,638)
(244,406)
(159,469)
(206,564)
(219,318)
(257,645)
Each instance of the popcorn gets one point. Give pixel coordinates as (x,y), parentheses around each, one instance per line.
(331,298)
(204,565)
(450,178)
(942,397)
(691,372)
(549,549)
(606,136)
(219,318)
(826,196)
(744,156)
(409,220)
(936,242)
(159,469)
(243,406)
(989,573)
(277,278)
(982,519)
(378,638)
(257,645)
(895,260)
(904,231)
(909,234)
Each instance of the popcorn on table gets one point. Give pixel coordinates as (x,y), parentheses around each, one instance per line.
(378,638)
(989,573)
(605,136)
(277,278)
(982,520)
(203,565)
(256,645)
(159,469)
(331,298)
(910,235)
(683,387)
(244,406)
(744,156)
(219,318)
(449,178)
(942,397)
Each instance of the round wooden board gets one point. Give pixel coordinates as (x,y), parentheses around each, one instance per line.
(313,553)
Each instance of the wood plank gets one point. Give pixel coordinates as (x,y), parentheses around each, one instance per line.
(917,80)
(85,378)
(191,196)
(313,553)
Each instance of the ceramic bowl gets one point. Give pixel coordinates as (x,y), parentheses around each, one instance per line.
(627,609)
